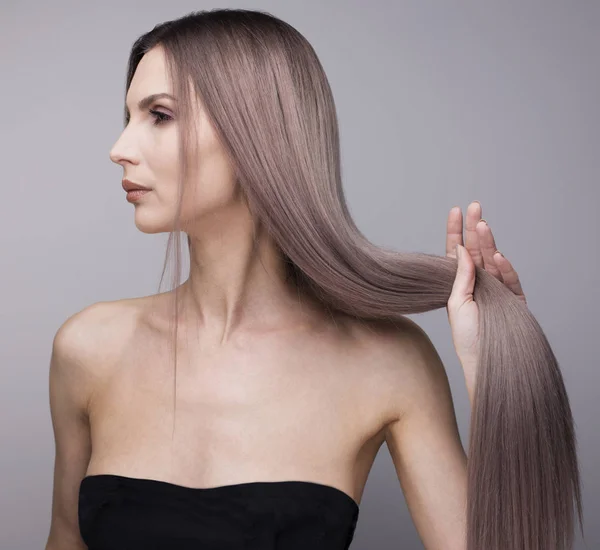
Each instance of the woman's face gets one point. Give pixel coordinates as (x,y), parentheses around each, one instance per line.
(147,149)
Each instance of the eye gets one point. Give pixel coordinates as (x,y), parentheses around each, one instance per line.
(159,117)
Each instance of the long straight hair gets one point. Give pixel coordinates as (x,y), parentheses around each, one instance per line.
(269,100)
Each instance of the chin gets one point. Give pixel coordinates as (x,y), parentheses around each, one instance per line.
(149,222)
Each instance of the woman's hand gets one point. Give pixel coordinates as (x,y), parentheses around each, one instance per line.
(479,250)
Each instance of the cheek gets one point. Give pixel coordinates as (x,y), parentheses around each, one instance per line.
(164,165)
(162,154)
(213,180)
(207,193)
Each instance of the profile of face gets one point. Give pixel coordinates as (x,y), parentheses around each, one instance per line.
(147,149)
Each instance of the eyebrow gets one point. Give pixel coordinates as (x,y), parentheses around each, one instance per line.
(148,100)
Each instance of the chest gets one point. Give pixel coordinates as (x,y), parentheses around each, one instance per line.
(280,408)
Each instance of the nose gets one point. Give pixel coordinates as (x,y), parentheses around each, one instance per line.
(123,152)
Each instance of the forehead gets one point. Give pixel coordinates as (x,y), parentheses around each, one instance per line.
(150,77)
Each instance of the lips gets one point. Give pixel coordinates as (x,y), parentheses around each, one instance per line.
(129,185)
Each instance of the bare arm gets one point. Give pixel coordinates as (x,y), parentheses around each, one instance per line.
(424,443)
(70,383)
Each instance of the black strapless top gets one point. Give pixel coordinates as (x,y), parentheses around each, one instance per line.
(125,513)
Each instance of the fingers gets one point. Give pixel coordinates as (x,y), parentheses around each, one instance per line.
(454,231)
(509,275)
(472,243)
(481,247)
(488,248)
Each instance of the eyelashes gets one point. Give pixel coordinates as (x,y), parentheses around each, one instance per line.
(158,116)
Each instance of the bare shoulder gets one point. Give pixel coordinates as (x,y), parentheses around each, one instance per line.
(96,326)
(404,362)
(87,340)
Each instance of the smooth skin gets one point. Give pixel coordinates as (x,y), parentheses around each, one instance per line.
(231,290)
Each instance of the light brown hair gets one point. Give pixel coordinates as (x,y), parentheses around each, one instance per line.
(271,105)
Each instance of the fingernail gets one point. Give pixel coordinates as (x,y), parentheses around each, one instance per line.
(482,220)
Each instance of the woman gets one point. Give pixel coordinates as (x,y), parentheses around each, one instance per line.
(293,360)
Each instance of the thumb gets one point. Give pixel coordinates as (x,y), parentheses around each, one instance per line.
(464,283)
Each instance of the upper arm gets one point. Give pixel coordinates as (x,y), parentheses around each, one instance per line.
(70,388)
(425,446)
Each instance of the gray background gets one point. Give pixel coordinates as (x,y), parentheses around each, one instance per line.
(438,104)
